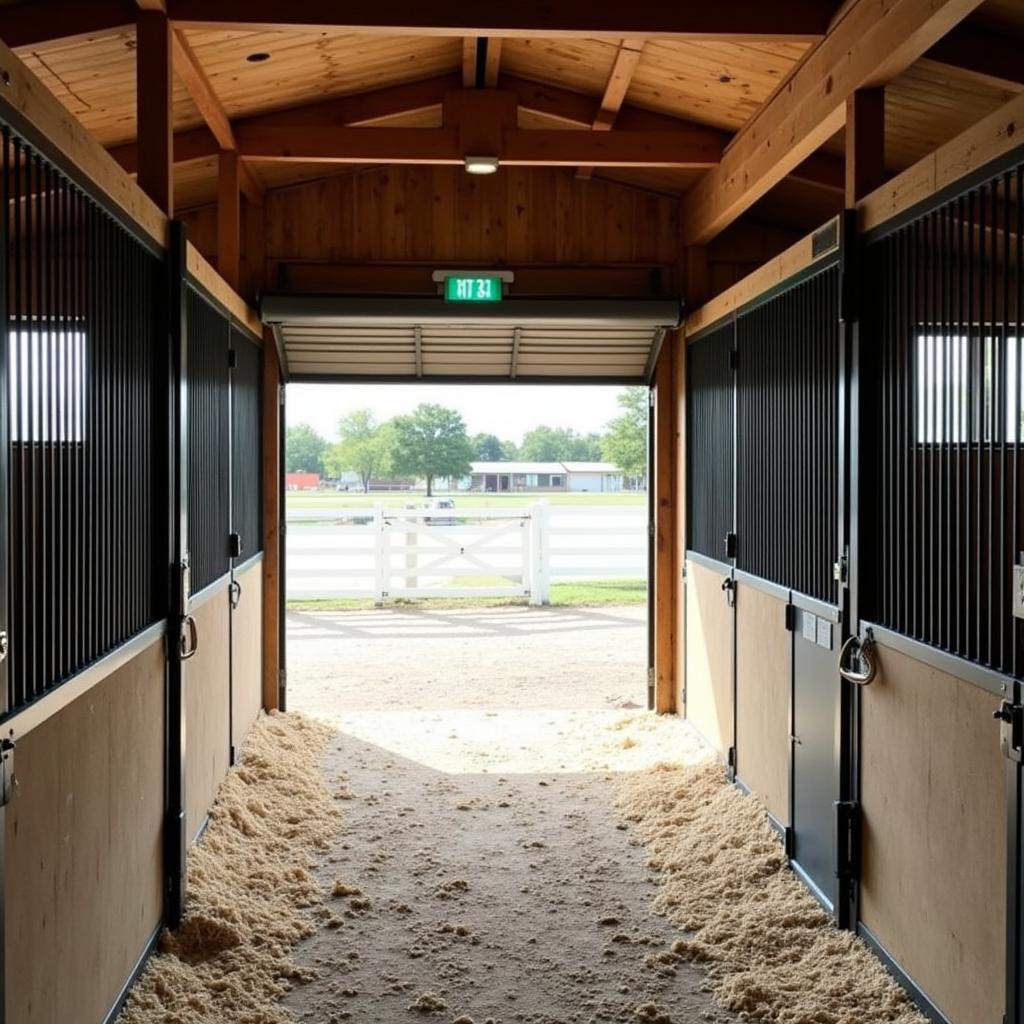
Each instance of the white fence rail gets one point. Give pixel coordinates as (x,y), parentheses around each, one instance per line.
(389,553)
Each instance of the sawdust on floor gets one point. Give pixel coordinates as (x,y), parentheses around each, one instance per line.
(250,887)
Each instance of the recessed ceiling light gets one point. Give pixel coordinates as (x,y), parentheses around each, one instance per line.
(257,58)
(481,164)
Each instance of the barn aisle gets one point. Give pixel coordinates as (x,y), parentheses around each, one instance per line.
(494,896)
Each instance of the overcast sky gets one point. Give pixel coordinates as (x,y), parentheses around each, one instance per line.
(508,410)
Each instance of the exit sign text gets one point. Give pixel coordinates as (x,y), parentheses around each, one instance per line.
(472,289)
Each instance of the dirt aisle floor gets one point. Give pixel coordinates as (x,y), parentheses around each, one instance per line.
(482,873)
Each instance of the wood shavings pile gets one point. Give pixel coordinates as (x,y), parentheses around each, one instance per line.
(249,880)
(771,953)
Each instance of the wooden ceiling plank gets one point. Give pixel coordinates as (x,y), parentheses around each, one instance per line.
(627,59)
(735,19)
(873,43)
(994,58)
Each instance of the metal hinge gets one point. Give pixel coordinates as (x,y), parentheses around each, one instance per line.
(7,780)
(235,545)
(730,545)
(1011,729)
(841,570)
(5,644)
(730,762)
(847,839)
(232,359)
(791,617)
(789,841)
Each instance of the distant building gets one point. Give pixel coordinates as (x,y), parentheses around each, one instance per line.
(540,477)
(301,481)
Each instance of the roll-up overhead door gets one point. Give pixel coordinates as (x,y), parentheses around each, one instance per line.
(345,338)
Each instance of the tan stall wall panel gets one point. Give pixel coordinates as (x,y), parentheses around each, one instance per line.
(207,704)
(83,844)
(708,657)
(764,651)
(247,653)
(934,804)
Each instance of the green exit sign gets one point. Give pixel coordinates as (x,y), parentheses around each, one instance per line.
(472,289)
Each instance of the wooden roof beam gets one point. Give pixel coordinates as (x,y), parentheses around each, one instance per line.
(627,58)
(873,42)
(469,62)
(990,57)
(729,19)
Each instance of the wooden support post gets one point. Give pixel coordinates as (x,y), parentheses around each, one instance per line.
(865,143)
(155,108)
(679,465)
(697,280)
(665,554)
(229,217)
(273,539)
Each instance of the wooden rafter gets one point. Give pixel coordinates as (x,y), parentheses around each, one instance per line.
(469,62)
(572,108)
(492,62)
(863,50)
(155,103)
(627,59)
(540,148)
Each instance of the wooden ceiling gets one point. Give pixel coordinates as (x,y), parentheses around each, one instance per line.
(718,83)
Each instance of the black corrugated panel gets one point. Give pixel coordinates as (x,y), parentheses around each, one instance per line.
(86,423)
(246,461)
(208,441)
(942,408)
(710,406)
(787,425)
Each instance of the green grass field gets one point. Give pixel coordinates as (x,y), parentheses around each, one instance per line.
(351,499)
(586,594)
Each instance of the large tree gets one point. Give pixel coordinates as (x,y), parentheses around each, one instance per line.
(431,442)
(364,447)
(559,444)
(488,448)
(625,444)
(304,450)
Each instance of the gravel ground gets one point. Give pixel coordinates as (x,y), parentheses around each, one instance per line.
(481,872)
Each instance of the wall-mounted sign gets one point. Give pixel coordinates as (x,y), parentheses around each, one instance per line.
(478,288)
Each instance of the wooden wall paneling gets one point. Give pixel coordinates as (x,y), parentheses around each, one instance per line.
(273,656)
(84,837)
(709,701)
(207,706)
(764,672)
(667,559)
(437,214)
(247,654)
(933,799)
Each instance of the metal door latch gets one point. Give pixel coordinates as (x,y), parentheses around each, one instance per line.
(1011,729)
(729,588)
(840,571)
(7,780)
(4,644)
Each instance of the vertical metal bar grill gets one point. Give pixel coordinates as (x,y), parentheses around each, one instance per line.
(942,395)
(787,421)
(208,441)
(84,357)
(710,407)
(246,439)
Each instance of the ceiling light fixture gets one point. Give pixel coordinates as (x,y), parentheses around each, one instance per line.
(481,164)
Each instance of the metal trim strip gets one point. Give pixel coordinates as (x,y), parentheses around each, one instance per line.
(21,722)
(923,1003)
(709,563)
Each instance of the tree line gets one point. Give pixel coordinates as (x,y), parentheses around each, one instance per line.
(432,441)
